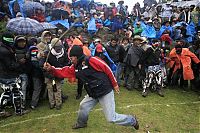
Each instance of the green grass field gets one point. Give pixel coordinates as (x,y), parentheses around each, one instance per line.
(177,112)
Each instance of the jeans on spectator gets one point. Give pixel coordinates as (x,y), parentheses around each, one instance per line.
(37,87)
(24,85)
(118,72)
(107,102)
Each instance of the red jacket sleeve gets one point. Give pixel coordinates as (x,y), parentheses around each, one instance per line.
(65,72)
(101,66)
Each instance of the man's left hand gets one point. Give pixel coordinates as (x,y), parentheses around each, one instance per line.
(117,89)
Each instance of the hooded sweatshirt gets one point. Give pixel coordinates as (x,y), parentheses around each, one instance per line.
(43,45)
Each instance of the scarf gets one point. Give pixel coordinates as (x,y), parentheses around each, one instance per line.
(56,54)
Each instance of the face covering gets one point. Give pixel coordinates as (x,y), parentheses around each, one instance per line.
(178,50)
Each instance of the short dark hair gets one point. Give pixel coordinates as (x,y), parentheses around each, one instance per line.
(125,38)
(155,40)
(114,39)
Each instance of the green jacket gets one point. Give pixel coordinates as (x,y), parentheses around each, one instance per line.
(138,31)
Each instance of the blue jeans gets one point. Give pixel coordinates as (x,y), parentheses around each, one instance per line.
(24,84)
(107,102)
(118,72)
(11,5)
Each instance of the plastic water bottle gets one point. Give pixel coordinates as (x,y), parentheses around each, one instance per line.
(54,86)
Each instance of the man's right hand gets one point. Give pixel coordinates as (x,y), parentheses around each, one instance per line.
(47,66)
(140,66)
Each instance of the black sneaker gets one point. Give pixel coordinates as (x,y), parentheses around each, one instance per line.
(64,98)
(144,93)
(160,93)
(77,126)
(136,125)
(23,112)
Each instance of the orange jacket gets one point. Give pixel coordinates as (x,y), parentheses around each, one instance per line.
(185,60)
(78,42)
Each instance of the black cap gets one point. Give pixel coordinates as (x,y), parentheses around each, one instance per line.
(76,51)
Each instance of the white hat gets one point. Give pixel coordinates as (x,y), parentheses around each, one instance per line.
(168,3)
(97,40)
(144,40)
(150,21)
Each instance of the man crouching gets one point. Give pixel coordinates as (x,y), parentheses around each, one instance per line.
(99,81)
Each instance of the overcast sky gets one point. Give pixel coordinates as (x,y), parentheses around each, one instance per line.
(130,3)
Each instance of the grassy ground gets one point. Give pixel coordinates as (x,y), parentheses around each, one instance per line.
(177,112)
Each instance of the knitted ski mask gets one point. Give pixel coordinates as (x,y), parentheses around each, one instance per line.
(78,52)
(178,49)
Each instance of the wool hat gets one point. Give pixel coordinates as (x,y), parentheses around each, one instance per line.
(76,51)
(18,39)
(55,42)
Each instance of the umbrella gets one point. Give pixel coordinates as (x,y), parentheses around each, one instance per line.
(48,26)
(24,26)
(30,7)
(58,14)
(64,23)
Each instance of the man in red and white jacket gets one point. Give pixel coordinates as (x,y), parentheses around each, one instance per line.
(99,81)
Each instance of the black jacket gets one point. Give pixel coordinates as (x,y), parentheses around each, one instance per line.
(116,53)
(23,67)
(97,84)
(8,64)
(151,57)
(133,56)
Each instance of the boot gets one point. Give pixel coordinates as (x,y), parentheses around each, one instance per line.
(51,106)
(4,114)
(77,126)
(160,93)
(23,112)
(64,97)
(58,107)
(136,125)
(145,92)
(78,96)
